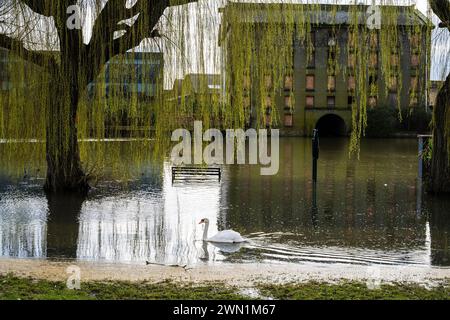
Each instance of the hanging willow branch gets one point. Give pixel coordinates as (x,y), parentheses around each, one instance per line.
(60,89)
(439,178)
(57,107)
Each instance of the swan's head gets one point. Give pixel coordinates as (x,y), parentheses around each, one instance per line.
(204,220)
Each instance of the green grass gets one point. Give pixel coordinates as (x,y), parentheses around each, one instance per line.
(12,288)
(352,290)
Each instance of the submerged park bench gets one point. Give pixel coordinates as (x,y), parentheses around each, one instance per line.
(195,173)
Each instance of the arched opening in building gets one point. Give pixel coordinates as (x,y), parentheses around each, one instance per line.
(331,125)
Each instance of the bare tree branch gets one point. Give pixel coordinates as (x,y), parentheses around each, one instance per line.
(137,22)
(42,7)
(441,8)
(112,13)
(141,28)
(103,46)
(42,59)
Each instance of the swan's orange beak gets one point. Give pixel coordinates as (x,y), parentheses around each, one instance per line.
(201,221)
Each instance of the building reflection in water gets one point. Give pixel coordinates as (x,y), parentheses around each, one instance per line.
(365,209)
(363,212)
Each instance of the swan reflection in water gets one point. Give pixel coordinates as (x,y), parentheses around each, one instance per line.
(219,247)
(228,247)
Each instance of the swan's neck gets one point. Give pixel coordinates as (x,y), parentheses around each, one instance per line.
(205,231)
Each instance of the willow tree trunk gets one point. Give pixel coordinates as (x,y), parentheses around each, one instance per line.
(64,171)
(440,161)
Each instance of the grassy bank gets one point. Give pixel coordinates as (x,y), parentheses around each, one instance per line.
(355,291)
(12,287)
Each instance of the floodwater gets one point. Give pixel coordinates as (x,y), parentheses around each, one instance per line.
(365,212)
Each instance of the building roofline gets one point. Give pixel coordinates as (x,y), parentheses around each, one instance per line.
(324,7)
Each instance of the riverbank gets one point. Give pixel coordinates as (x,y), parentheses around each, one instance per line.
(44,279)
(14,288)
(236,274)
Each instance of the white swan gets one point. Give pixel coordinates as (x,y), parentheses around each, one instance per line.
(225,236)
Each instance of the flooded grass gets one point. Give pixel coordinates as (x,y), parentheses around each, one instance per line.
(13,288)
(353,290)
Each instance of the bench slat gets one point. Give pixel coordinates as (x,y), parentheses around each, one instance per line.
(194,173)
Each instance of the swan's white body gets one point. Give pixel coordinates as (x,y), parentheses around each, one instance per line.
(225,236)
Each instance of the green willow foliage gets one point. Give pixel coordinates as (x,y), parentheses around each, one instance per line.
(265,51)
(256,51)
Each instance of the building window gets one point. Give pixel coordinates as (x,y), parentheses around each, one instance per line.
(311,53)
(414,60)
(351,60)
(373,79)
(310,82)
(288,119)
(312,35)
(413,101)
(414,41)
(332,55)
(372,101)
(288,102)
(332,38)
(352,40)
(246,82)
(312,59)
(310,101)
(330,101)
(394,60)
(331,51)
(414,83)
(351,100)
(373,60)
(351,85)
(393,84)
(268,81)
(268,116)
(394,48)
(288,83)
(246,102)
(331,83)
(392,99)
(373,38)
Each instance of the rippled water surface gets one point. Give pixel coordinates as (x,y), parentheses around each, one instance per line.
(365,212)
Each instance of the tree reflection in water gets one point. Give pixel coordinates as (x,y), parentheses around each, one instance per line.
(362,212)
(62,224)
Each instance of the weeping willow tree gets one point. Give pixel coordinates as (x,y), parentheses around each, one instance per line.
(440,158)
(58,62)
(66,65)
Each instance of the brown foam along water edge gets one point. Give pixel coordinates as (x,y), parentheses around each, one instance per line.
(232,274)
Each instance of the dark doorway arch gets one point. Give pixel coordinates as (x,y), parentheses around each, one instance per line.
(331,125)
